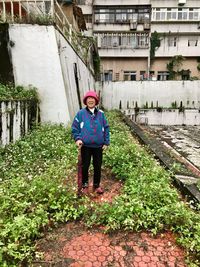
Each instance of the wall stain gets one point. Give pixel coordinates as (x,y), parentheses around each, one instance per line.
(6,69)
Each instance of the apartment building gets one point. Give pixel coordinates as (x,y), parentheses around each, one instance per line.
(178,23)
(125,32)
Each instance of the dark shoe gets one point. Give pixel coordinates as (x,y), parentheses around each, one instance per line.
(85,190)
(99,190)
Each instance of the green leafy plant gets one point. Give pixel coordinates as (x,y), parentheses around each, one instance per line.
(155,43)
(174,66)
(148,200)
(37,191)
(9,92)
(174,104)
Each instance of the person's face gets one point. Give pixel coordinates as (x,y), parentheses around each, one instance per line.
(91,102)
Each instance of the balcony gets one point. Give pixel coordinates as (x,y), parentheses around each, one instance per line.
(123,44)
(175,14)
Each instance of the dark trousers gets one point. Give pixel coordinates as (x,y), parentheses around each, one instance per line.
(96,154)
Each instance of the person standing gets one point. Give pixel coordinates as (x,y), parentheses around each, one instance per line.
(90,131)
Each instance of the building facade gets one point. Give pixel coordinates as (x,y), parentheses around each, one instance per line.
(149,39)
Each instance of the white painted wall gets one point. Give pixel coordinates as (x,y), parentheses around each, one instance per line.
(85,79)
(181,47)
(121,2)
(36,61)
(175,27)
(161,93)
(166,117)
(174,3)
(120,52)
(43,58)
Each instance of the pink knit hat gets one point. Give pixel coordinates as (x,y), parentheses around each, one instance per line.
(91,94)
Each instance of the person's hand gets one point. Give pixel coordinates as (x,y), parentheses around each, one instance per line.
(79,143)
(104,147)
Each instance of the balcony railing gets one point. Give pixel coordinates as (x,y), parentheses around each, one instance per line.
(45,12)
(123,40)
(25,10)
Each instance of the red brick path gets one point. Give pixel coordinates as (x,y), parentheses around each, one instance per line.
(74,245)
(137,250)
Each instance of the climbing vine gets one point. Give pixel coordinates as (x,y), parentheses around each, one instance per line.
(155,43)
(198,66)
(174,66)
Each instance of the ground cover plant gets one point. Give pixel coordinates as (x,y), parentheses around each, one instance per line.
(37,190)
(148,200)
(34,193)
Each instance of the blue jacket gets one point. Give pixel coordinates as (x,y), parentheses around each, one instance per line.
(92,129)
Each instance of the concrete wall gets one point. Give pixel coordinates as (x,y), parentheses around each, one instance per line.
(160,64)
(165,116)
(173,3)
(68,59)
(43,58)
(152,93)
(119,65)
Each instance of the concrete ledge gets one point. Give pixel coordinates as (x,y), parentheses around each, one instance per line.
(185,178)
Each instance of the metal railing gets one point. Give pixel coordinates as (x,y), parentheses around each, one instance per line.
(45,12)
(25,10)
(123,40)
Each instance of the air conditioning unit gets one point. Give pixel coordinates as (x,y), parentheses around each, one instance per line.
(181,2)
(146,26)
(115,44)
(133,26)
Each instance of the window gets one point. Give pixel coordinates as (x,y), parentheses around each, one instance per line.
(182,13)
(151,75)
(125,40)
(194,13)
(192,42)
(185,74)
(129,75)
(160,13)
(176,14)
(108,75)
(143,75)
(81,2)
(117,76)
(88,18)
(172,41)
(110,41)
(142,40)
(171,14)
(163,75)
(121,15)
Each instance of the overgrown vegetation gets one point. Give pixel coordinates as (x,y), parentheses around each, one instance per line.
(155,43)
(148,200)
(198,65)
(38,190)
(31,18)
(9,92)
(35,191)
(174,66)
